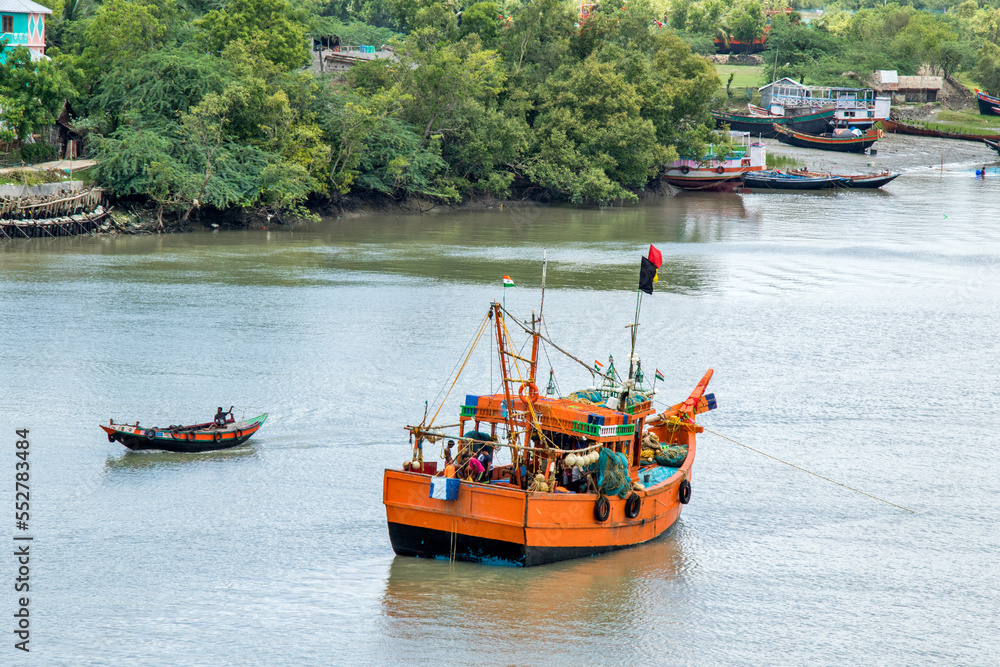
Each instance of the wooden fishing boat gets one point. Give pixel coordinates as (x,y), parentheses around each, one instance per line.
(189,439)
(988,105)
(578,479)
(760,122)
(848,143)
(778,180)
(716,171)
(995,145)
(866,181)
(899,127)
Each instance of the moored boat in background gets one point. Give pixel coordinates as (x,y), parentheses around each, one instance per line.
(761,124)
(988,105)
(902,127)
(995,145)
(779,180)
(860,181)
(848,142)
(194,438)
(718,172)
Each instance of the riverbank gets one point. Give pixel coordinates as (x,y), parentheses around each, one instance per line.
(900,153)
(135,216)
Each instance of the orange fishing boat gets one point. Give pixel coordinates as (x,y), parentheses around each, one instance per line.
(595,471)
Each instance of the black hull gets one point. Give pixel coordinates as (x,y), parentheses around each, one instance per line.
(430,543)
(987,107)
(847,146)
(791,184)
(809,125)
(138,444)
(869,183)
(764,128)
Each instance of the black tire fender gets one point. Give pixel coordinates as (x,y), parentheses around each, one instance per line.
(720,170)
(685,169)
(239,434)
(684,492)
(602,509)
(218,436)
(150,434)
(633,505)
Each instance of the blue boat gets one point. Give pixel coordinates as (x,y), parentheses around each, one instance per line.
(779,180)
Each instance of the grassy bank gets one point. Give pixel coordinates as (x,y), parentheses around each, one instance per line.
(959,122)
(744,76)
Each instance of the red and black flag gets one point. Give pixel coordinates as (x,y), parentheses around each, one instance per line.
(647,273)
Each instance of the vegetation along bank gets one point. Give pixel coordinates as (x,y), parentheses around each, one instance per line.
(209,108)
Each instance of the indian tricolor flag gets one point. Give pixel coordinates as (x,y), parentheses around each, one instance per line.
(659,375)
(598,365)
(508,282)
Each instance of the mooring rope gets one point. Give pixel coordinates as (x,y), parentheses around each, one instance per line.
(832,481)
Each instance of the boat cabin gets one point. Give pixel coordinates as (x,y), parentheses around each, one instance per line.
(852,104)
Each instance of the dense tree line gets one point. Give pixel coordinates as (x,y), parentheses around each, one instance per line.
(852,38)
(200,103)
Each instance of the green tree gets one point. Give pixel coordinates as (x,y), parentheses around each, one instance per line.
(122,30)
(482,19)
(746,21)
(593,142)
(987,70)
(37,89)
(275,26)
(539,36)
(444,84)
(955,56)
(11,114)
(156,86)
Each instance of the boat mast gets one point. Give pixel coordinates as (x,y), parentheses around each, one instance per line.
(536,327)
(506,380)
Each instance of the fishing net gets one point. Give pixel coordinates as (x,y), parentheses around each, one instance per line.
(672,456)
(595,397)
(587,397)
(612,474)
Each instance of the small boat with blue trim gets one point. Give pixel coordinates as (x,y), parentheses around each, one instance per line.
(779,180)
(193,438)
(988,105)
(859,181)
(539,479)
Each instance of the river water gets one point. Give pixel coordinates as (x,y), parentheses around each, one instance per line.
(853,334)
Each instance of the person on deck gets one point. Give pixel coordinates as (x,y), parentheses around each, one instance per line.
(469,468)
(449,464)
(222,417)
(485,458)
